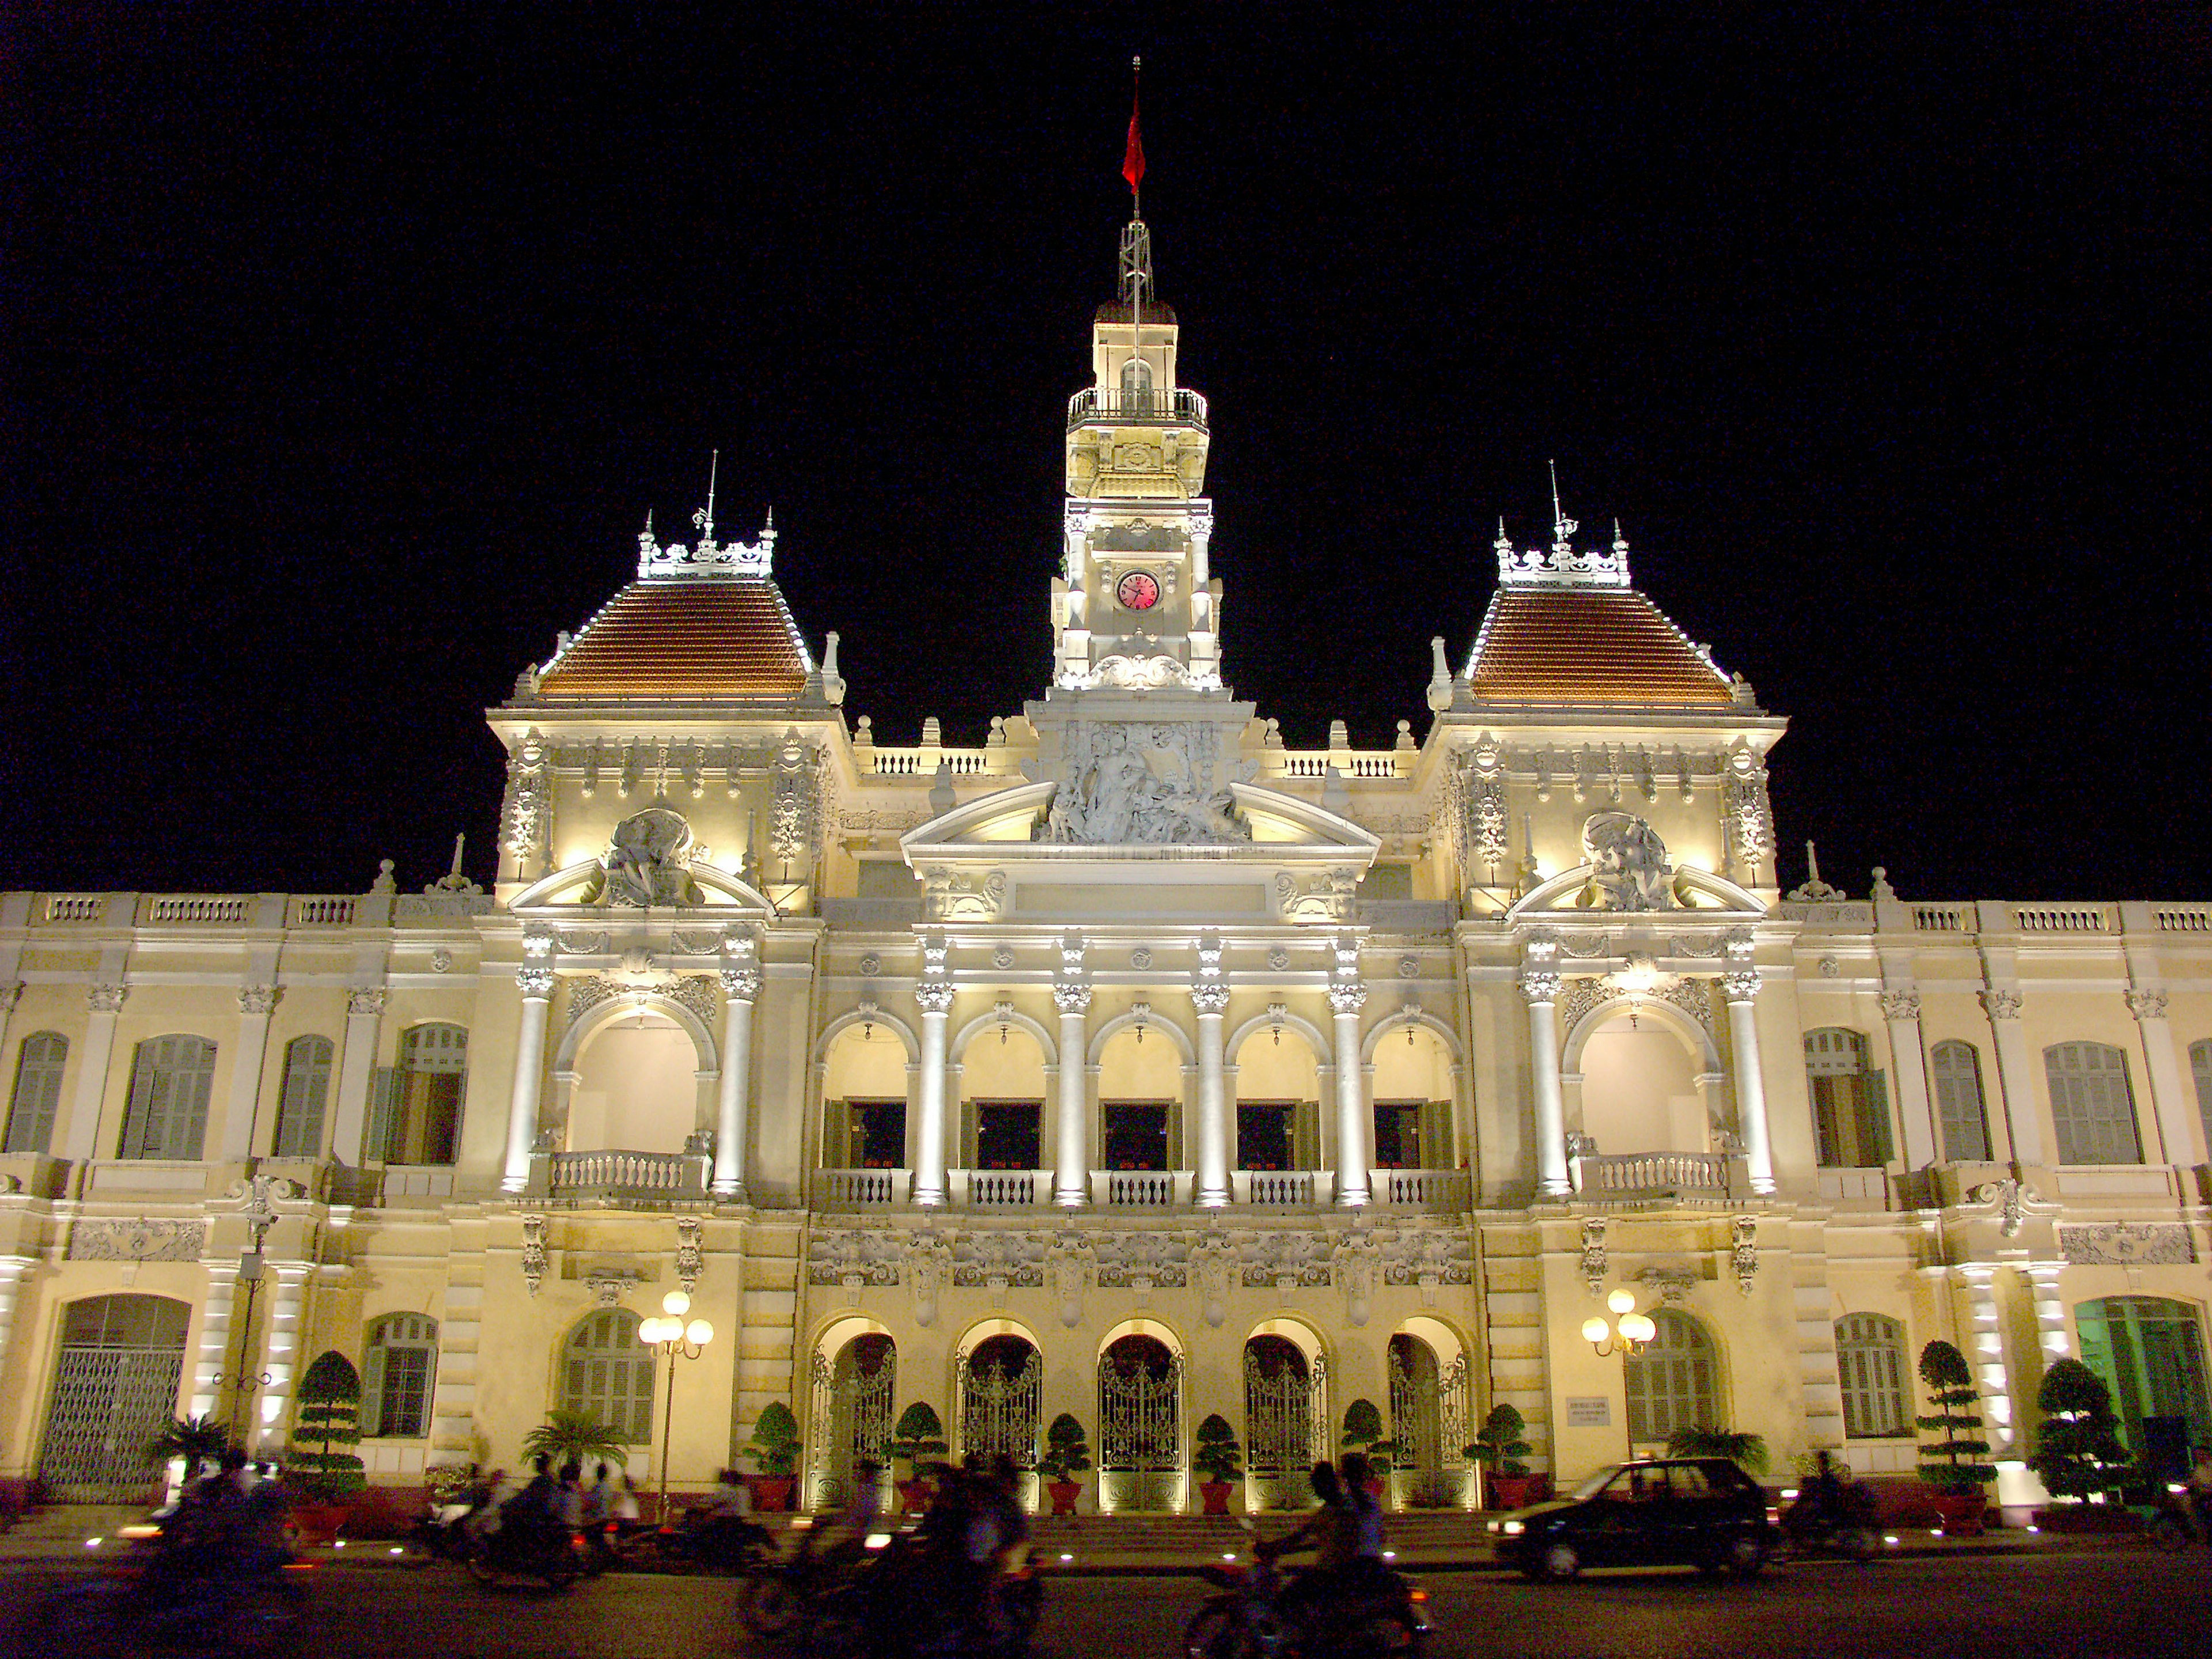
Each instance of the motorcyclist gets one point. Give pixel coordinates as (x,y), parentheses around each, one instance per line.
(1819,1503)
(1331,1534)
(731,1533)
(529,1520)
(1366,1509)
(2197,1492)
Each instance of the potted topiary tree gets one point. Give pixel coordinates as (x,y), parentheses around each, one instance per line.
(1065,1454)
(328,1415)
(1497,1451)
(919,1435)
(1217,1460)
(1951,1467)
(2078,1451)
(1746,1449)
(1363,1432)
(776,1447)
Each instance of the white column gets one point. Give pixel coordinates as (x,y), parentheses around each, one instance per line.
(12,1269)
(1212,1162)
(1071,1174)
(2015,1074)
(212,1368)
(2175,1130)
(1541,991)
(739,987)
(1353,1165)
(286,1297)
(1742,990)
(536,985)
(1901,1009)
(255,1004)
(935,997)
(356,1066)
(80,1139)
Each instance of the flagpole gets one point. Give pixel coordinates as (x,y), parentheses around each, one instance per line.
(1136,216)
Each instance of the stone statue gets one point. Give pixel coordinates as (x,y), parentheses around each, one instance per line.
(647,861)
(1126,782)
(1628,862)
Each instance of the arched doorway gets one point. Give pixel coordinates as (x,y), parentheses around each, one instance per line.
(1429,1392)
(1285,1419)
(636,1087)
(2150,1351)
(1674,1384)
(1001,1388)
(854,1382)
(115,1388)
(1139,1425)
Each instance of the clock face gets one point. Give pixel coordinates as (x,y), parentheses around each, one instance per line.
(1137,591)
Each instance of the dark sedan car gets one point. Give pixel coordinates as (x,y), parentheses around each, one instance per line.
(1703,1512)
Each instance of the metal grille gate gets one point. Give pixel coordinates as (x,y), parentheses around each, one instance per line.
(999,1413)
(1286,1431)
(115,1388)
(1429,1422)
(1140,1437)
(853,1415)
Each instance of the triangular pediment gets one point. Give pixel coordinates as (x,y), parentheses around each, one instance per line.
(571,889)
(1010,823)
(1693,892)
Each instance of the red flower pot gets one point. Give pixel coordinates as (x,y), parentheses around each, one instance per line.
(316,1523)
(1512,1492)
(772,1492)
(1214,1495)
(1063,1494)
(1961,1512)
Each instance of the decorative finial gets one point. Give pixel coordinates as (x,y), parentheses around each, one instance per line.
(1619,541)
(459,842)
(703,519)
(1562,525)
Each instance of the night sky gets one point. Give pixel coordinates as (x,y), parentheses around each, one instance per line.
(345,350)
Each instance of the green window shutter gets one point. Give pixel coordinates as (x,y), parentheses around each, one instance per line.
(147,1115)
(1305,1134)
(39,1068)
(1436,1135)
(372,1391)
(967,1134)
(383,1122)
(1875,1146)
(195,1083)
(1174,1135)
(838,1134)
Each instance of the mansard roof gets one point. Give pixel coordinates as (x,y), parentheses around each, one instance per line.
(1589,645)
(716,641)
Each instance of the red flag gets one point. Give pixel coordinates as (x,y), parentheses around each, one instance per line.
(1133,158)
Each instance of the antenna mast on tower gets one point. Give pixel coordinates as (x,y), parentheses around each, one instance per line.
(1136,240)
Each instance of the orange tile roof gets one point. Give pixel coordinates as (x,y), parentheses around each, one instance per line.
(1580,645)
(689,641)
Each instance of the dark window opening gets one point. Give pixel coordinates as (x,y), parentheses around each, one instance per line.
(1136,1135)
(1398,1134)
(878,1133)
(1007,1135)
(1263,1135)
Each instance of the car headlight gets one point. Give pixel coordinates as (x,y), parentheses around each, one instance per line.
(1512,1528)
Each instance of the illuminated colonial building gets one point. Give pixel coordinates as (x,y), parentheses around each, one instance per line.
(1131,1065)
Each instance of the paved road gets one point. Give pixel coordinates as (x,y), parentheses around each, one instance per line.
(2096,1606)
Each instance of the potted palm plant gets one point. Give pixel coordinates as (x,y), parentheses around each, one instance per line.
(2078,1453)
(1746,1450)
(191,1441)
(573,1436)
(1363,1432)
(1217,1460)
(776,1447)
(1067,1454)
(1497,1451)
(329,1415)
(1953,1468)
(919,1435)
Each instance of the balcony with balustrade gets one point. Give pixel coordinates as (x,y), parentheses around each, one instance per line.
(1639,1180)
(1437,1192)
(614,1179)
(1136,406)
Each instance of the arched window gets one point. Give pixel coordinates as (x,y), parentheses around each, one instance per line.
(38,1094)
(607,1374)
(2091,1105)
(1671,1384)
(1851,1101)
(415,1116)
(1136,388)
(169,1083)
(1960,1111)
(1870,1365)
(2200,1067)
(402,1360)
(300,1101)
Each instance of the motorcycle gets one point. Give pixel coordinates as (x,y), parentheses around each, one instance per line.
(553,1558)
(171,1595)
(885,1610)
(442,1530)
(2170,1528)
(1386,1619)
(1843,1526)
(713,1543)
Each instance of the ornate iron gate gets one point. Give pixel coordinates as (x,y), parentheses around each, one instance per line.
(115,1388)
(1429,1422)
(998,1412)
(1285,1430)
(852,1418)
(1140,1436)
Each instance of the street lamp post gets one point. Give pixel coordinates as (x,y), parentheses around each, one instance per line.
(260,1215)
(678,1340)
(1627,1332)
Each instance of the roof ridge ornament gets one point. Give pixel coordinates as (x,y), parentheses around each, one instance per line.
(1562,567)
(709,560)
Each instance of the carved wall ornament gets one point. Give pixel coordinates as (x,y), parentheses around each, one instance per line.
(795,815)
(607,1289)
(854,1257)
(1140,959)
(928,1265)
(1068,1264)
(954,895)
(739,984)
(1331,897)
(1594,1263)
(871,964)
(258,999)
(1428,1257)
(1209,997)
(1739,988)
(690,1257)
(1901,1005)
(1125,1258)
(2010,1198)
(1072,998)
(1671,1281)
(364,1004)
(934,996)
(1409,967)
(1278,959)
(528,815)
(1125,782)
(2146,1004)
(2127,1244)
(1003,958)
(441,961)
(1743,1252)
(1830,967)
(536,984)
(1071,951)
(1629,869)
(1354,1266)
(2002,1004)
(586,993)
(1537,988)
(1745,810)
(107,998)
(137,1241)
(533,1251)
(1584,948)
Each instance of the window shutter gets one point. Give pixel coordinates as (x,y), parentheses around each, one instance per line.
(372,1389)
(1874,1143)
(39,1066)
(1174,1135)
(1305,1134)
(189,1116)
(383,1115)
(838,1134)
(1436,1135)
(147,1114)
(967,1134)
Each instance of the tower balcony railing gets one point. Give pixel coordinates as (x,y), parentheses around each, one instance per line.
(1094,407)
